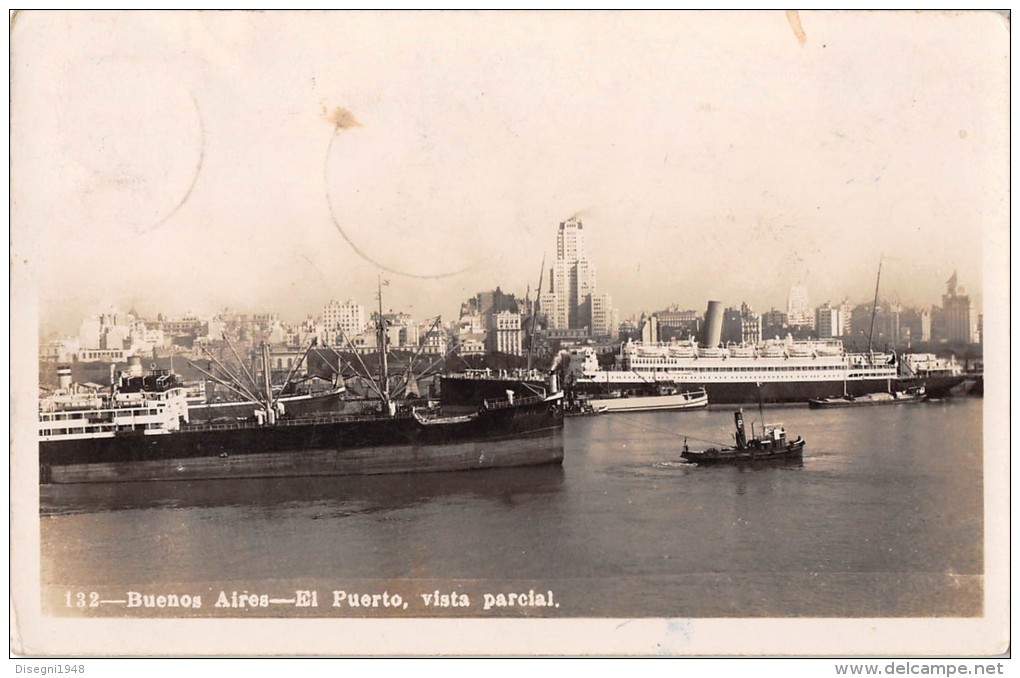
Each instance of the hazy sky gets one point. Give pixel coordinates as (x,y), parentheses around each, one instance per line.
(192,161)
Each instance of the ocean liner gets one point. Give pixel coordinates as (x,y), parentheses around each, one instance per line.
(773,371)
(785,371)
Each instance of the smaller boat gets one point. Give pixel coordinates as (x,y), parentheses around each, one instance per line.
(914,394)
(663,398)
(583,409)
(770,445)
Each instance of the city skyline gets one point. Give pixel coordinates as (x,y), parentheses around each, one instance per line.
(722,170)
(333,306)
(956,319)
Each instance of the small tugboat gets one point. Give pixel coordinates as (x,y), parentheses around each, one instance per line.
(914,394)
(770,445)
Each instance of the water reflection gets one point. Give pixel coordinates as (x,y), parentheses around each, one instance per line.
(359,494)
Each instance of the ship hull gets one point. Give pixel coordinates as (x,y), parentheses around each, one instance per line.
(463,392)
(511,436)
(788,392)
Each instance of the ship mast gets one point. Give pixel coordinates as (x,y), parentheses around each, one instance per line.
(296,367)
(251,380)
(268,385)
(534,312)
(384,386)
(761,408)
(368,373)
(251,392)
(874,310)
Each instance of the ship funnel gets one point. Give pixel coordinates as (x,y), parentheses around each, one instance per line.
(650,331)
(64,377)
(135,366)
(711,335)
(561,362)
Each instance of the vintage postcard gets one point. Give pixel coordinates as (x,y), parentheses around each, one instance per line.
(509,333)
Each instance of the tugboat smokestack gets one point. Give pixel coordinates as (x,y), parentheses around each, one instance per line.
(738,418)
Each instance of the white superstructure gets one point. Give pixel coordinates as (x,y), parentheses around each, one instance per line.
(774,361)
(155,404)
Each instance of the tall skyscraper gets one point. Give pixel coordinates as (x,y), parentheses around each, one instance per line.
(572,302)
(604,319)
(554,306)
(585,290)
(562,312)
(570,241)
(956,320)
(798,307)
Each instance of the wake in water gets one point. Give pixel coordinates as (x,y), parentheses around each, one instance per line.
(678,464)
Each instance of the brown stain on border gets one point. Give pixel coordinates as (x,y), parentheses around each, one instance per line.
(793,16)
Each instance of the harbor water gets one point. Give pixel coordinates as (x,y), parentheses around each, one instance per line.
(882,518)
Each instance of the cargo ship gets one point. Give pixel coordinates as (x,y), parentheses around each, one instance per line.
(140,430)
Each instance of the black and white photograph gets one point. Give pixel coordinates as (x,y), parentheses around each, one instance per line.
(510,333)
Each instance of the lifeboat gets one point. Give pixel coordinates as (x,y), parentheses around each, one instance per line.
(801,351)
(741,351)
(682,351)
